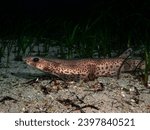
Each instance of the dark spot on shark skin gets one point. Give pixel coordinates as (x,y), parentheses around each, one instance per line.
(67,72)
(106,67)
(98,69)
(103,72)
(117,66)
(46,69)
(98,73)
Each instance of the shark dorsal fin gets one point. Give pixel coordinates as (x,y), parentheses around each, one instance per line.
(126,53)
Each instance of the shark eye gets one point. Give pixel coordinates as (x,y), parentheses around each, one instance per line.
(35,59)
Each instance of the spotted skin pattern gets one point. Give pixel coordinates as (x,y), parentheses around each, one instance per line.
(86,69)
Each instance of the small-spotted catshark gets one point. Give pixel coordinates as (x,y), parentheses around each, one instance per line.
(86,69)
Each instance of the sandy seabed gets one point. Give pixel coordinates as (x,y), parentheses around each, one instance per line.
(20,93)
